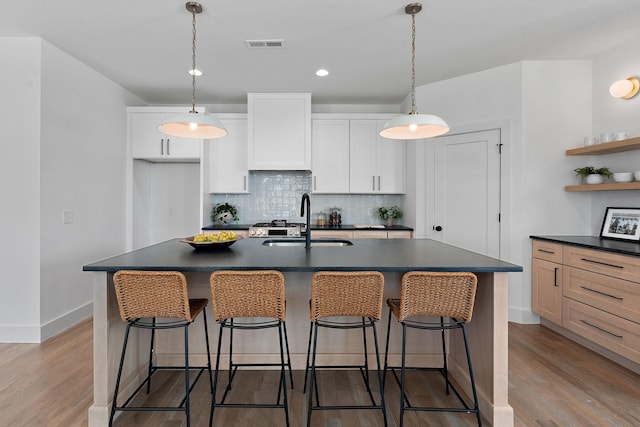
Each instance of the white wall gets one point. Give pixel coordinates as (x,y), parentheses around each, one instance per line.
(20,188)
(74,160)
(545,107)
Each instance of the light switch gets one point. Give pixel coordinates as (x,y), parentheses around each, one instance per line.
(67,217)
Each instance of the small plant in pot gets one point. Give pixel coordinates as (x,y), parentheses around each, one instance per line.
(389,214)
(224,213)
(592,175)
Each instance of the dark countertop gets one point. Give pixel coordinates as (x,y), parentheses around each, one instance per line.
(392,255)
(346,227)
(595,242)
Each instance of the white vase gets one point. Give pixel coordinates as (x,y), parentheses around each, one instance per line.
(594,179)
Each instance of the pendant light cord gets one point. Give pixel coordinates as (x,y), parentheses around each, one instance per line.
(193,62)
(413,64)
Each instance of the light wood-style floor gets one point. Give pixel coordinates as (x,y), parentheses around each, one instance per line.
(552,382)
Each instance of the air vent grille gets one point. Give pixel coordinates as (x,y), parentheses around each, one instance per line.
(259,44)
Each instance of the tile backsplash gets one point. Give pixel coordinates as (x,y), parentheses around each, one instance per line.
(277,195)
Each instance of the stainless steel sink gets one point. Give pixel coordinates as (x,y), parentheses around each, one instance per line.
(301,243)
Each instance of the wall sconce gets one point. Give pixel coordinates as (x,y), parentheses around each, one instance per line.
(625,88)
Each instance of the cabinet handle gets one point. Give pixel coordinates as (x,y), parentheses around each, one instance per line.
(601,329)
(168,153)
(602,293)
(602,263)
(555,277)
(314,183)
(378,182)
(373,183)
(162,147)
(544,251)
(244,183)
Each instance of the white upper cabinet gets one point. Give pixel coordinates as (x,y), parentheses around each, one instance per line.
(377,165)
(148,143)
(279,131)
(330,156)
(227,159)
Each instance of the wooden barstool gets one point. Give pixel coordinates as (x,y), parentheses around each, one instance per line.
(444,295)
(257,299)
(345,294)
(144,295)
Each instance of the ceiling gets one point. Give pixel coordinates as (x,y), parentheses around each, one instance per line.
(145,45)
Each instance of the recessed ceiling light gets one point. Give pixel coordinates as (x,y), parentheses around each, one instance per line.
(322,72)
(195,72)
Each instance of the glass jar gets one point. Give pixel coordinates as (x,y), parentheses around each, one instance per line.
(322,219)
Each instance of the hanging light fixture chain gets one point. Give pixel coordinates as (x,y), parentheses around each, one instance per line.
(193,61)
(413,64)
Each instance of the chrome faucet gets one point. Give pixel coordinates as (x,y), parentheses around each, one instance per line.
(307,205)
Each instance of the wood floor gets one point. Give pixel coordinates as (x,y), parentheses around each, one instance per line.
(552,382)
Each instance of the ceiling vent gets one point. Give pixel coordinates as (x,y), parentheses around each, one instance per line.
(256,44)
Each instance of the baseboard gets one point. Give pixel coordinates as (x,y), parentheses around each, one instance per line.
(19,334)
(65,321)
(523,316)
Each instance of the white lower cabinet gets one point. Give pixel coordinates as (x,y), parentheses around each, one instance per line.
(226,159)
(148,143)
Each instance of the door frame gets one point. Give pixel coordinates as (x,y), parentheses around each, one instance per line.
(426,191)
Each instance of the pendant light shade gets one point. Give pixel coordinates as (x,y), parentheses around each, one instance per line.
(414,125)
(193,124)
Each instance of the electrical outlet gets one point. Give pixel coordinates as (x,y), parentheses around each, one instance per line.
(67,217)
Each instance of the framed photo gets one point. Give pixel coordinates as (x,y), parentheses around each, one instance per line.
(621,224)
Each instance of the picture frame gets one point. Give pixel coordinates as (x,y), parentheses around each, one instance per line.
(621,224)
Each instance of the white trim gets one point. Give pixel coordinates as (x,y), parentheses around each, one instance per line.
(66,321)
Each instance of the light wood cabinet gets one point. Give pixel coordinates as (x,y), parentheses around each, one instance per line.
(606,148)
(546,281)
(600,294)
(227,159)
(331,234)
(361,234)
(377,165)
(279,131)
(330,162)
(148,143)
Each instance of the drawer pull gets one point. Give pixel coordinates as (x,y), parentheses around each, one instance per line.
(602,263)
(602,293)
(546,251)
(555,277)
(600,329)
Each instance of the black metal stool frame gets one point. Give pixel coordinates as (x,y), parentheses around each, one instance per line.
(364,369)
(405,404)
(233,367)
(184,405)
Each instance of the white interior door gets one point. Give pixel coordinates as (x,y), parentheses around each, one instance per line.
(467,191)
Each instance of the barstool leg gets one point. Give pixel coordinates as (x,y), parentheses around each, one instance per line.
(286,341)
(150,370)
(306,369)
(283,366)
(114,404)
(187,402)
(444,355)
(366,358)
(206,340)
(380,381)
(215,376)
(386,352)
(313,373)
(230,357)
(403,373)
(473,381)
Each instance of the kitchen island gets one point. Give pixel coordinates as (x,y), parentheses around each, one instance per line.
(488,330)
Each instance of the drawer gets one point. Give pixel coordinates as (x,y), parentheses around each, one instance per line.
(399,235)
(616,296)
(620,266)
(612,332)
(547,251)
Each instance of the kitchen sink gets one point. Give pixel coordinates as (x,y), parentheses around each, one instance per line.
(302,243)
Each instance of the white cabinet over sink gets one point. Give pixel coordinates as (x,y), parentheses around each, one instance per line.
(330,163)
(148,143)
(279,131)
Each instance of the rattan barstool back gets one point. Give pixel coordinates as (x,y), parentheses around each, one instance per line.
(346,294)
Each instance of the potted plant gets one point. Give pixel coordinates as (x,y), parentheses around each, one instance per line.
(390,214)
(592,175)
(224,213)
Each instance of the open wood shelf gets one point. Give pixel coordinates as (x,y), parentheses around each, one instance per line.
(634,185)
(607,148)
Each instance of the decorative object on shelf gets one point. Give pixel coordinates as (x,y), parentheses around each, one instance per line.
(224,213)
(621,224)
(625,88)
(193,124)
(592,175)
(591,140)
(390,213)
(414,125)
(623,176)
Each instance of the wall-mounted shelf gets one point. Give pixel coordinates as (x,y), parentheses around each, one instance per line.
(635,185)
(606,148)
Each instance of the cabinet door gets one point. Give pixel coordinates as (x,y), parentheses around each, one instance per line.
(330,159)
(363,157)
(227,160)
(370,234)
(279,131)
(148,143)
(546,290)
(390,163)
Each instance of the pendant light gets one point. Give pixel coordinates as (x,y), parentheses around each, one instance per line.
(414,125)
(193,124)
